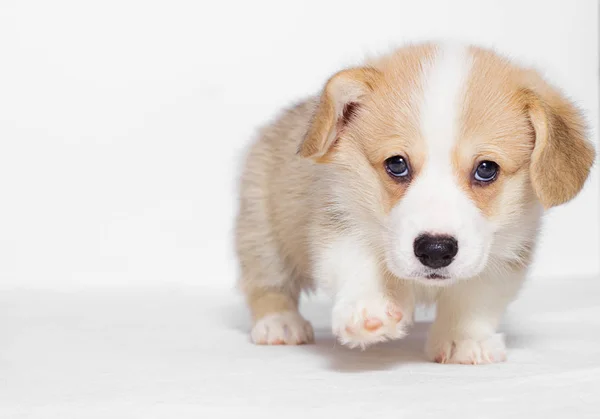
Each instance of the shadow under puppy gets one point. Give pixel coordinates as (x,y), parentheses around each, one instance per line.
(420,177)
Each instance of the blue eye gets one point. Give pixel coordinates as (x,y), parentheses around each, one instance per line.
(397,167)
(486,171)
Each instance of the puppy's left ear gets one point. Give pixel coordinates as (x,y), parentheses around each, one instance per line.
(340,99)
(562,156)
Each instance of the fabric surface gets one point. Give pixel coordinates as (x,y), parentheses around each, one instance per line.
(185,353)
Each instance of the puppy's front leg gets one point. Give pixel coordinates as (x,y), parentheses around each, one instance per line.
(468,313)
(363,312)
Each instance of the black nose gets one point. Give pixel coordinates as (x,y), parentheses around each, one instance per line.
(435,251)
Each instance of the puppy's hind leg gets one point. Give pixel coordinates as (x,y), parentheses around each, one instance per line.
(277,320)
(272,290)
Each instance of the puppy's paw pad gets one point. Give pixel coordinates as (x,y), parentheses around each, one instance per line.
(469,351)
(372,324)
(367,322)
(287,328)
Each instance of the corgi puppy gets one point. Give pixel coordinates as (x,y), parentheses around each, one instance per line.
(420,177)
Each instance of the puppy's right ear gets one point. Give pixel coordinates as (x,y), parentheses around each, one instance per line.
(340,98)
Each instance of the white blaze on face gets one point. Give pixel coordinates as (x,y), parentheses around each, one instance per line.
(434,203)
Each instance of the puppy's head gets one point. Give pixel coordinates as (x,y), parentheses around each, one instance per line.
(441,156)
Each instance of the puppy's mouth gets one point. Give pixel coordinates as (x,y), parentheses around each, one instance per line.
(437,276)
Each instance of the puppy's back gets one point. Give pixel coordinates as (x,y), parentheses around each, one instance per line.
(275,189)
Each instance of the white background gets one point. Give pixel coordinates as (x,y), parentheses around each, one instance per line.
(122,122)
(121,129)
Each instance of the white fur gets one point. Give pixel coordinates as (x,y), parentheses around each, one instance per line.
(468,351)
(282,328)
(352,273)
(434,203)
(442,94)
(468,314)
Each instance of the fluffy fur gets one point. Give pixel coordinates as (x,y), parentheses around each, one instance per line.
(318,208)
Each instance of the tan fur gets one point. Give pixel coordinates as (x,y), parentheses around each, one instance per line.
(562,158)
(271,236)
(495,126)
(348,86)
(263,303)
(288,208)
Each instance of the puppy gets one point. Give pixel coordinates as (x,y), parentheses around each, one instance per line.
(420,177)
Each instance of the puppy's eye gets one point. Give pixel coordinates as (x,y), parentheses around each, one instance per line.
(397,166)
(486,171)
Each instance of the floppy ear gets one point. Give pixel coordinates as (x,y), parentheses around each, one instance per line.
(562,157)
(340,99)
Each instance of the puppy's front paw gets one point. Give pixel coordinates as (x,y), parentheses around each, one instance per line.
(368,321)
(287,328)
(468,351)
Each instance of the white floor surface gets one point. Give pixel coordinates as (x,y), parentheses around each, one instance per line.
(185,353)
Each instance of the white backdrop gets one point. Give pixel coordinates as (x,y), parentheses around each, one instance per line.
(122,122)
